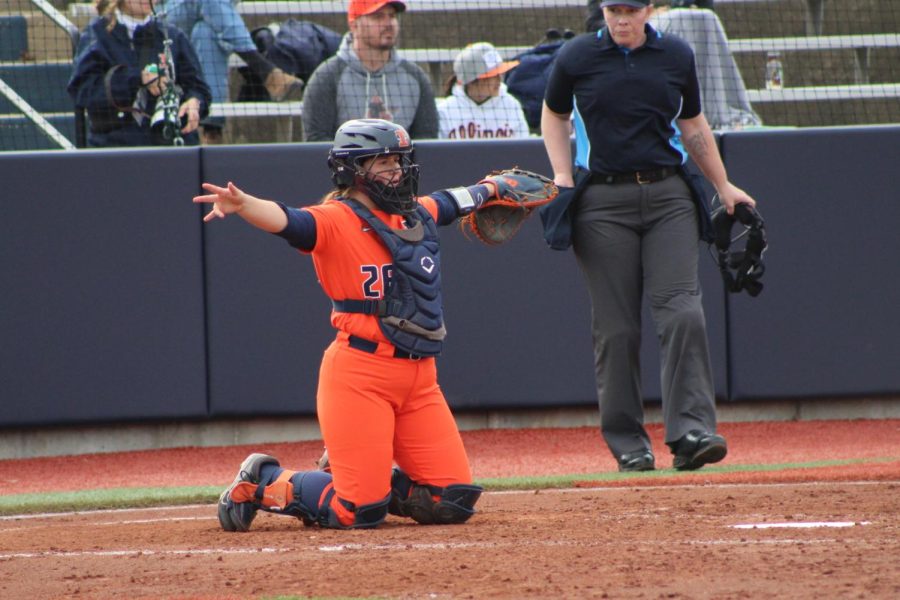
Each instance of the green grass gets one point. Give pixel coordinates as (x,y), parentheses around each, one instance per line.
(106,499)
(97,499)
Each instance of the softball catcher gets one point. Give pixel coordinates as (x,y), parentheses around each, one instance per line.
(375,248)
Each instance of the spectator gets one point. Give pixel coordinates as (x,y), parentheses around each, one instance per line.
(477,103)
(528,81)
(216,30)
(708,4)
(722,90)
(120,73)
(367,79)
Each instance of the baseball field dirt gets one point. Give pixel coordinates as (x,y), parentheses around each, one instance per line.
(797,510)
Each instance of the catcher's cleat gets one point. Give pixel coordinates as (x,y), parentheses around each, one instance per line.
(698,448)
(639,460)
(237,516)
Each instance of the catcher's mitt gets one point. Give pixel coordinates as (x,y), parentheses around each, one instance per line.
(519,192)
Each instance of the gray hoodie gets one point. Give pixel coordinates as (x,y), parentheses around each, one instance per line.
(341,88)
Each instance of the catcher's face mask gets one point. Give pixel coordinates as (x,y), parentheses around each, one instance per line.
(741,269)
(362,139)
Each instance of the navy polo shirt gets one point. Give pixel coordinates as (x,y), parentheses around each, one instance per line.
(625,102)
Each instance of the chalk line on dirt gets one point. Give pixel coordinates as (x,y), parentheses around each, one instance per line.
(800,525)
(403,547)
(101,511)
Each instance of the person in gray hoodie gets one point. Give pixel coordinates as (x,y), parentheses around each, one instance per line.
(367,79)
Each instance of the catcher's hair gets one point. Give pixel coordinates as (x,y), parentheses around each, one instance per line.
(339,191)
(333,194)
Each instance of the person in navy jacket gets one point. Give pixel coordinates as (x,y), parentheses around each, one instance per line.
(120,74)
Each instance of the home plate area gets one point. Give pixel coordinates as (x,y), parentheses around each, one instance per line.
(705,541)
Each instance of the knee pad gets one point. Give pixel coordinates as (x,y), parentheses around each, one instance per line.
(432,505)
(457,503)
(370,515)
(419,505)
(401,485)
(365,516)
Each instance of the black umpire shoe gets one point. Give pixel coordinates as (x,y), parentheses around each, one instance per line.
(698,448)
(639,460)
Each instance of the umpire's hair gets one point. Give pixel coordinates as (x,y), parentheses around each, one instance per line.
(594,20)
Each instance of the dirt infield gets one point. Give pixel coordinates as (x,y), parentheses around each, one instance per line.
(821,530)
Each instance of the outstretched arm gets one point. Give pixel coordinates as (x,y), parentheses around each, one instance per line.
(460,201)
(264,214)
(700,144)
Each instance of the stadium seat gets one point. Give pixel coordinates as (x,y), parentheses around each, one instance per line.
(20,133)
(41,85)
(13,37)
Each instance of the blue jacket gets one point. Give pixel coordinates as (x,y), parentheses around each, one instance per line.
(106,79)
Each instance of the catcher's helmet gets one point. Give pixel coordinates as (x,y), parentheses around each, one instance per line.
(741,269)
(361,139)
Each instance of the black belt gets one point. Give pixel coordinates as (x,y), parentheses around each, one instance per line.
(642,177)
(370,347)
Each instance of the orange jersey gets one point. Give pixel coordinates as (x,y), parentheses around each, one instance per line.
(351,261)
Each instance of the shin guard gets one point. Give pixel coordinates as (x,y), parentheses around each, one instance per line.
(337,513)
(430,504)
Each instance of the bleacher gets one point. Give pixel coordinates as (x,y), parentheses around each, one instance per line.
(42,86)
(13,37)
(36,113)
(841,59)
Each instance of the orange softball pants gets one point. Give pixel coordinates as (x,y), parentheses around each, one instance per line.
(375,410)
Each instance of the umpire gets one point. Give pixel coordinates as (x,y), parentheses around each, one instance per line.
(636,100)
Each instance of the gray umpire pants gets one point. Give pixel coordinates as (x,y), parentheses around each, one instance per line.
(632,239)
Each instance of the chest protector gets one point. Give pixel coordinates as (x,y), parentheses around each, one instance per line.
(410,313)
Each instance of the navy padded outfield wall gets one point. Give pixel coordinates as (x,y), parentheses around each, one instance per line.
(119,304)
(268,318)
(101,309)
(517,316)
(828,321)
